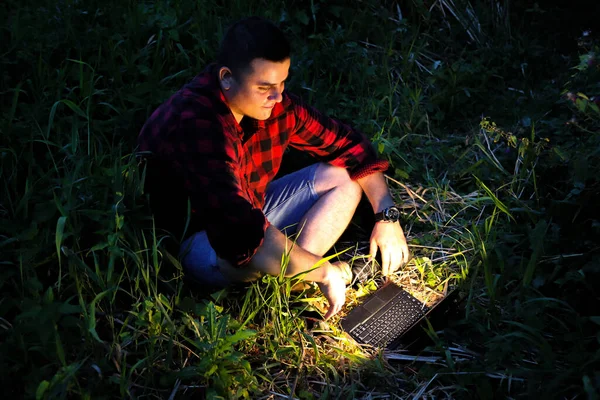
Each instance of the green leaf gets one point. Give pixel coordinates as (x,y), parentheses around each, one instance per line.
(119,221)
(74,107)
(66,308)
(241,336)
(589,388)
(49,295)
(220,295)
(211,370)
(401,173)
(99,246)
(581,104)
(560,153)
(500,205)
(81,63)
(60,230)
(173,35)
(51,118)
(41,389)
(15,102)
(312,342)
(60,351)
(302,17)
(102,103)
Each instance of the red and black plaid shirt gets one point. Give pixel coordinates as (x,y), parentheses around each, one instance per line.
(199,150)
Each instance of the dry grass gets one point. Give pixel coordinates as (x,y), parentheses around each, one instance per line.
(431,273)
(434,268)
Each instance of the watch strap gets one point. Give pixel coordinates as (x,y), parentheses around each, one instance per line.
(383,215)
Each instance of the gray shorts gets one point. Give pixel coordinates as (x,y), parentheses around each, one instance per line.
(286,201)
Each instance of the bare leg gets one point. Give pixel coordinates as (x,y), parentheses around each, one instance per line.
(323,223)
(327,219)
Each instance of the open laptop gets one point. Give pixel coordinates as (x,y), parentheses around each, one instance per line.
(390,317)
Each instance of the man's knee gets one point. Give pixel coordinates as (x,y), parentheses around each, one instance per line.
(328,177)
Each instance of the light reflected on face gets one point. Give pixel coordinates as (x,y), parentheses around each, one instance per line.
(256,93)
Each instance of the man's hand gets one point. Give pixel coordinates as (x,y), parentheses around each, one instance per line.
(333,286)
(389,238)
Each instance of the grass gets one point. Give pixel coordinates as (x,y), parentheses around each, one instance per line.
(93,298)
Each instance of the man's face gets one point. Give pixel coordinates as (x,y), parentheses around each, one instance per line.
(255,93)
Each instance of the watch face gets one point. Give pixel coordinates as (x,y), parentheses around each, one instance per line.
(392,214)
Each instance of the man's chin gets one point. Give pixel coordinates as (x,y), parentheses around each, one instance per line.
(264,115)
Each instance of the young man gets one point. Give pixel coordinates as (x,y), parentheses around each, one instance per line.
(213,149)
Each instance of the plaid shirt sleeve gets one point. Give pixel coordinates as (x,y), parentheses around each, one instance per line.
(207,159)
(333,141)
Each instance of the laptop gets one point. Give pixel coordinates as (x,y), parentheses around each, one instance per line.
(390,317)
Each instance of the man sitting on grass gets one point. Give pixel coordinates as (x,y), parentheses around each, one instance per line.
(213,149)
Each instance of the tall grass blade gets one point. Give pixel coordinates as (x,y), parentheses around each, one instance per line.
(60,229)
(75,108)
(51,118)
(15,102)
(536,238)
(501,206)
(92,314)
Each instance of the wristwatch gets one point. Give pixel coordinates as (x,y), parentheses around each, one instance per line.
(390,214)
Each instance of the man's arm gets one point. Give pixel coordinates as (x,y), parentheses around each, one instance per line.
(331,277)
(377,191)
(338,144)
(387,236)
(332,141)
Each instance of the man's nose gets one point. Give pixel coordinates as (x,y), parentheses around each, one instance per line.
(275,95)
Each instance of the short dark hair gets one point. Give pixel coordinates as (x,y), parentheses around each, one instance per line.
(251,38)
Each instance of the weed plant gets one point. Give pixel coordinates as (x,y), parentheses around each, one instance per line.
(493,135)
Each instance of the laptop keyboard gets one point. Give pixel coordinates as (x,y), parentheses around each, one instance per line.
(391,321)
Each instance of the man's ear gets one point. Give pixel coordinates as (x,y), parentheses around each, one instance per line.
(225,78)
